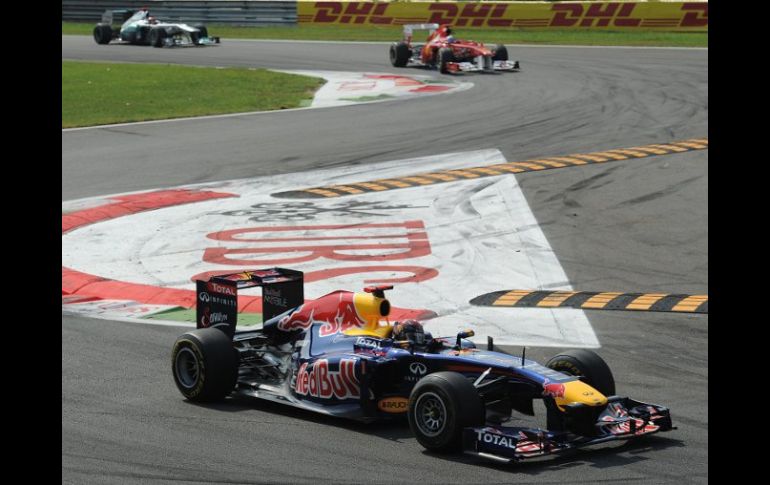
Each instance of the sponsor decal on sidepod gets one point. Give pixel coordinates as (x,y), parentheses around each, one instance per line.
(393,404)
(324,383)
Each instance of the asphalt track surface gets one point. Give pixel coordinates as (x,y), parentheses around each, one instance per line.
(637,225)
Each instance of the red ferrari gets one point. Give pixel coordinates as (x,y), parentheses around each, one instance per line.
(448,54)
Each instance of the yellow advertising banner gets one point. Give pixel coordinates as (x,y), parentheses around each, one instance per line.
(669,16)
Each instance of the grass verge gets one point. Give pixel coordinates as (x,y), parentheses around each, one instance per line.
(493,36)
(96,93)
(188,315)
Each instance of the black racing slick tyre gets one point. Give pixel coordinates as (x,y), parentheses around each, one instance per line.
(204,32)
(444,56)
(400,54)
(586,364)
(499,53)
(440,406)
(102,34)
(204,364)
(157,35)
(592,370)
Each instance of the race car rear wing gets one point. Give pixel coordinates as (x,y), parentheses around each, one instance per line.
(116,16)
(217,297)
(409,28)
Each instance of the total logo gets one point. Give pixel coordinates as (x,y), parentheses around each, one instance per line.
(221,289)
(497,439)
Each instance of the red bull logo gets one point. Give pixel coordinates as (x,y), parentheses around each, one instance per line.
(336,310)
(553,389)
(324,383)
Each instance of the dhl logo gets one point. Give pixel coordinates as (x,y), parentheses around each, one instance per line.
(349,12)
(674,15)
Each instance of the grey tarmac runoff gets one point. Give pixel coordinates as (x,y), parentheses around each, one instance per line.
(635,226)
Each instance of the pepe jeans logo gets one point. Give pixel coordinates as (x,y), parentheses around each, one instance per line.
(418,368)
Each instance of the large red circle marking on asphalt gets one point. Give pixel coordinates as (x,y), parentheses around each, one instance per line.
(77,283)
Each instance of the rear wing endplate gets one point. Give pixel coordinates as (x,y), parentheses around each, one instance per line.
(217,296)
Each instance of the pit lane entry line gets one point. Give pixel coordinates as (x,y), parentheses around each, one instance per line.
(431,178)
(593,300)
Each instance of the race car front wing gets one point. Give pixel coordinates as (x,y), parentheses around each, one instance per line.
(622,419)
(482,63)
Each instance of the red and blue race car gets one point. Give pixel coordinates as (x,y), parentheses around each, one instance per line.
(447,54)
(338,355)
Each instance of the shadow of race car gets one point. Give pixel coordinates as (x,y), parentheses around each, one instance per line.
(140,28)
(336,356)
(447,54)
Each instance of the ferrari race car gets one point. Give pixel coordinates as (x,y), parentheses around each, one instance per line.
(336,356)
(143,29)
(448,54)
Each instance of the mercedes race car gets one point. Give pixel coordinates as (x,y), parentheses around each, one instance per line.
(339,355)
(447,54)
(141,28)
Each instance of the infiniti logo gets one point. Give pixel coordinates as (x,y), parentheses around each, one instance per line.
(417,368)
(202,296)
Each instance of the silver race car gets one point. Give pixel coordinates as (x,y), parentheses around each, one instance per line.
(141,28)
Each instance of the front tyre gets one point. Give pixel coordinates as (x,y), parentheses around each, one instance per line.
(591,369)
(445,56)
(440,406)
(204,364)
(499,53)
(204,32)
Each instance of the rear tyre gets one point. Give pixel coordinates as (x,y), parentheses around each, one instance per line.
(157,36)
(592,370)
(499,53)
(440,406)
(204,364)
(400,54)
(102,34)
(445,56)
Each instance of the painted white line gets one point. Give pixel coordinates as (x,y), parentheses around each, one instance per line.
(326,97)
(447,243)
(163,323)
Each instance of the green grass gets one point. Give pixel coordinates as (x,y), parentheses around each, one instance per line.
(188,315)
(501,36)
(102,93)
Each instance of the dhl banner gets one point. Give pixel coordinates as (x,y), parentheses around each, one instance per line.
(668,16)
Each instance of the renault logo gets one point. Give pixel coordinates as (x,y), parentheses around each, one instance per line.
(417,368)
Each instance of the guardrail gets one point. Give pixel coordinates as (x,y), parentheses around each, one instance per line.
(250,12)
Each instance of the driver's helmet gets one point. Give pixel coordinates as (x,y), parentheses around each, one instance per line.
(411,331)
(152,20)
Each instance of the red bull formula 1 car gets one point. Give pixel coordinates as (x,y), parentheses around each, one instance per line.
(447,54)
(336,356)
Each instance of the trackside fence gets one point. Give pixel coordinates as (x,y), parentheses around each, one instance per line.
(246,13)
